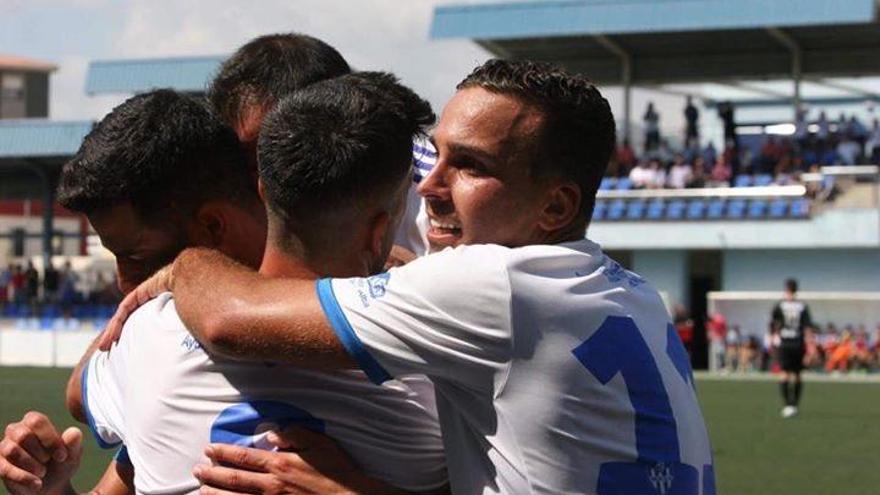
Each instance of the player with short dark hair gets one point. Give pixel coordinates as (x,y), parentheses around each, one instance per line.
(154,165)
(264,70)
(791,318)
(556,370)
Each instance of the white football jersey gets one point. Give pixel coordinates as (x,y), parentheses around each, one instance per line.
(162,396)
(556,370)
(411,233)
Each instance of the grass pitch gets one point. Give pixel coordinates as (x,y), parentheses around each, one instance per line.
(833,447)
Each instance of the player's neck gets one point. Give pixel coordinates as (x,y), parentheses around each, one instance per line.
(278,263)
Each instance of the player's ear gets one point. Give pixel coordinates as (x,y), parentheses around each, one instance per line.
(561,206)
(210,225)
(261,190)
(379,235)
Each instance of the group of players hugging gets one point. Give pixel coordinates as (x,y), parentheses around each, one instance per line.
(322,299)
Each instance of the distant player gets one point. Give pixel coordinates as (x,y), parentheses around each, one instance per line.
(791,318)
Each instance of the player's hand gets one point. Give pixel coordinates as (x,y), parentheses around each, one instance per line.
(148,289)
(399,256)
(311,463)
(35,459)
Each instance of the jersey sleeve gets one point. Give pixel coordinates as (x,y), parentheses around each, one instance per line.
(102,385)
(446,315)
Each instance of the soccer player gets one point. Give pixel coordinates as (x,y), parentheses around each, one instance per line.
(556,370)
(791,318)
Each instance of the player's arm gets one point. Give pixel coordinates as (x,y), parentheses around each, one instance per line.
(73,392)
(237,313)
(777,319)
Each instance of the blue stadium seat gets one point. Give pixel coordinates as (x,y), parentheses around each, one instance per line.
(616,210)
(800,208)
(763,180)
(599,210)
(736,208)
(695,210)
(635,209)
(675,209)
(715,209)
(655,209)
(778,208)
(743,181)
(757,208)
(624,184)
(607,183)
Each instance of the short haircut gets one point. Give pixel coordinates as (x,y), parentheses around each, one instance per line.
(578,135)
(268,68)
(791,285)
(338,143)
(159,151)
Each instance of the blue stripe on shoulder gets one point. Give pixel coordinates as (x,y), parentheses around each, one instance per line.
(90,420)
(346,335)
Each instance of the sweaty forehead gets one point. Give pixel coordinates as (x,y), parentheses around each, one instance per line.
(493,121)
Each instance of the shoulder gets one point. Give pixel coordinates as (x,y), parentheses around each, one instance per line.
(156,314)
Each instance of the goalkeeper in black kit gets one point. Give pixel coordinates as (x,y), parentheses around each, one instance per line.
(791,318)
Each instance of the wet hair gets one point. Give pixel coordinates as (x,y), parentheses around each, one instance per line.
(161,152)
(266,69)
(336,143)
(577,138)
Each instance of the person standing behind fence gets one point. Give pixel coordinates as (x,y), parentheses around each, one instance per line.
(791,318)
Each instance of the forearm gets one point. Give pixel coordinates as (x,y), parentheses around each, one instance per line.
(237,313)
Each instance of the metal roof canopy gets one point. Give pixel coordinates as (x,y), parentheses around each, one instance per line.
(189,74)
(652,43)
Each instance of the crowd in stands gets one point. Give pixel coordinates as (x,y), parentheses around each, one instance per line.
(846,141)
(26,292)
(829,348)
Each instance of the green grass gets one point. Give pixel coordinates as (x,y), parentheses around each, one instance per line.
(833,447)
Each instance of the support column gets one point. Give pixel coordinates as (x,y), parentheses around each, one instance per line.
(789,43)
(626,71)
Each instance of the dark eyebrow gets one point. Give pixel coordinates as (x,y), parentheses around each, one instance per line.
(470,150)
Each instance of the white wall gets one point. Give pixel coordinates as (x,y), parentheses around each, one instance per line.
(815,269)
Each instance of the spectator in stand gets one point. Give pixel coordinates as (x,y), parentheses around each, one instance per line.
(698,178)
(641,175)
(857,131)
(824,131)
(732,341)
(17,286)
(652,128)
(838,360)
(5,285)
(31,283)
(829,155)
(710,155)
(873,145)
(691,116)
(801,131)
(812,350)
(716,330)
(848,150)
(680,173)
(861,359)
(843,128)
(625,157)
(722,171)
(771,152)
(69,280)
(50,284)
(684,326)
(725,112)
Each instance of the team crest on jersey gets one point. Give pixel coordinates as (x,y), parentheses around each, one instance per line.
(616,274)
(190,343)
(661,477)
(371,288)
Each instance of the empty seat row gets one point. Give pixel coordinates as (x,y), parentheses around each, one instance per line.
(89,311)
(700,209)
(625,184)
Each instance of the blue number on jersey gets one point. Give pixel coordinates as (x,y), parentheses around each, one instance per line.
(245,423)
(618,347)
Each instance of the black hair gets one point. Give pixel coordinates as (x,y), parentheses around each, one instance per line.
(791,285)
(578,134)
(338,142)
(160,151)
(269,67)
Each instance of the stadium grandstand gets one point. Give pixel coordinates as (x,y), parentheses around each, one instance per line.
(716,222)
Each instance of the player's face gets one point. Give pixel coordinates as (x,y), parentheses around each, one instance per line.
(481,189)
(139,249)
